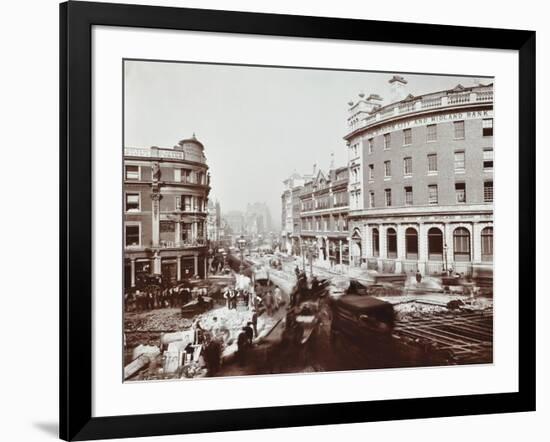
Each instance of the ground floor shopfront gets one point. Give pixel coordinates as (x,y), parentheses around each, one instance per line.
(172,264)
(326,250)
(462,243)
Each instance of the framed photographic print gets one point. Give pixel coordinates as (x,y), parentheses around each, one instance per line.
(272,220)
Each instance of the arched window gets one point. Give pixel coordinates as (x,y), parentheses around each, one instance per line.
(391,242)
(487,244)
(375,242)
(461,243)
(411,243)
(435,244)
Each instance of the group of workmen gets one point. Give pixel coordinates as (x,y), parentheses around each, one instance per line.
(270,299)
(141,300)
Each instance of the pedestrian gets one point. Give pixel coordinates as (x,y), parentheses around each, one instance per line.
(278,298)
(226,297)
(297,271)
(242,346)
(212,356)
(268,302)
(233,299)
(254,322)
(418,277)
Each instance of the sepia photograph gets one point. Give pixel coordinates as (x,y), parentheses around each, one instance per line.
(289,220)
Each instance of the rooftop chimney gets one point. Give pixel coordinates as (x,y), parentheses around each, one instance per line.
(397,88)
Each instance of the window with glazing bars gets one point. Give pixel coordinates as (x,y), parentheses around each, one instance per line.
(407,166)
(432,194)
(387,193)
(387,168)
(387,141)
(460,160)
(487,127)
(431,132)
(432,162)
(488,191)
(407,137)
(459,130)
(408,195)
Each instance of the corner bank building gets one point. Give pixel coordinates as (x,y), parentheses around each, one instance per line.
(165,211)
(421,181)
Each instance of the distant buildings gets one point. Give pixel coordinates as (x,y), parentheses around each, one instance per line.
(214,222)
(258,219)
(255,222)
(165,211)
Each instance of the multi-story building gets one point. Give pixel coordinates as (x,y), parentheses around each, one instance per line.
(213,229)
(290,214)
(323,217)
(165,210)
(421,180)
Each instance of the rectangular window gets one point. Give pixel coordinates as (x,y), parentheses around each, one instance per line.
(460,163)
(131,172)
(132,236)
(387,141)
(132,202)
(407,166)
(371,172)
(432,162)
(387,193)
(432,194)
(459,130)
(371,199)
(488,191)
(488,159)
(408,195)
(431,132)
(371,145)
(177,175)
(487,127)
(387,168)
(355,175)
(185,203)
(407,137)
(460,189)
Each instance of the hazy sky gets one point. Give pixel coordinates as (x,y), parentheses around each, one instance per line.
(257,124)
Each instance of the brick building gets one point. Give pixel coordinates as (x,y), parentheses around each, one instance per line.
(421,180)
(165,211)
(290,213)
(323,229)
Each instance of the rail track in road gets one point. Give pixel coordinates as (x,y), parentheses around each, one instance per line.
(468,337)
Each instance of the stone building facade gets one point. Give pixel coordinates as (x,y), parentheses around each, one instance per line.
(165,211)
(421,181)
(323,233)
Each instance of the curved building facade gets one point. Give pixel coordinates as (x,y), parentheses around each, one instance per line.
(165,211)
(421,181)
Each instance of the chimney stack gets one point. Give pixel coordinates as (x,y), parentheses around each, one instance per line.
(397,88)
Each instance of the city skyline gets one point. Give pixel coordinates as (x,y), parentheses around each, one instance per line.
(287,114)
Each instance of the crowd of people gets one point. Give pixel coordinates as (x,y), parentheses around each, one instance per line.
(154,297)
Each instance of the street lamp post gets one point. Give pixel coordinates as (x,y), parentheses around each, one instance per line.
(242,243)
(303,255)
(445,257)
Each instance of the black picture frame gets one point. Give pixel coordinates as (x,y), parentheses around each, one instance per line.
(76,21)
